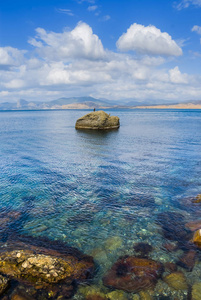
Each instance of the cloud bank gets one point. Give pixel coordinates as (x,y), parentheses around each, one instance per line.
(75,63)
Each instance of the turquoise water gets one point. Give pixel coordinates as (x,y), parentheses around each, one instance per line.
(100,192)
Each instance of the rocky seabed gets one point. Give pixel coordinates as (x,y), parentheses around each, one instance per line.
(38,268)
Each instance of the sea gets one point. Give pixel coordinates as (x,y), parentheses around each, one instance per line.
(104,192)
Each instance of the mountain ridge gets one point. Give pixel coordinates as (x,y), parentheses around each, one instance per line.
(87,102)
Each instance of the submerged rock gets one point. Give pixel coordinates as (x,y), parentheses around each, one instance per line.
(197,199)
(197,238)
(3,284)
(142,249)
(187,260)
(193,225)
(196,291)
(97,120)
(173,226)
(133,274)
(43,270)
(177,281)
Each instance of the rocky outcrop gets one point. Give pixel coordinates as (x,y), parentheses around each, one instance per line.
(133,274)
(97,120)
(43,270)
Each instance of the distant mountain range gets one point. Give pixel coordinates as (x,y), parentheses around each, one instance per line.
(90,103)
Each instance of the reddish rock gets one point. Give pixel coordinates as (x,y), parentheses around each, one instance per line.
(142,249)
(133,274)
(170,247)
(187,260)
(170,267)
(194,225)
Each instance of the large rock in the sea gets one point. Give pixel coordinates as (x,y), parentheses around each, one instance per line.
(43,270)
(133,274)
(97,120)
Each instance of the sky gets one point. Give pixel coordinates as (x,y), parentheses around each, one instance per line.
(117,50)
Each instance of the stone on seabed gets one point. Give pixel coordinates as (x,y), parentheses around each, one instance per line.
(176,280)
(196,291)
(97,120)
(197,238)
(3,284)
(40,269)
(133,274)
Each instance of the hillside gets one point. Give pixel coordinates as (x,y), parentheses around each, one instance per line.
(91,103)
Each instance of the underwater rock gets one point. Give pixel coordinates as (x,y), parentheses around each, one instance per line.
(194,225)
(196,291)
(92,292)
(95,297)
(170,267)
(187,260)
(197,199)
(97,120)
(173,227)
(143,249)
(3,284)
(197,238)
(144,295)
(170,246)
(66,292)
(43,270)
(120,295)
(113,243)
(176,280)
(21,297)
(133,274)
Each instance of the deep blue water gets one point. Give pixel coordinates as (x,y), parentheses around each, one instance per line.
(79,186)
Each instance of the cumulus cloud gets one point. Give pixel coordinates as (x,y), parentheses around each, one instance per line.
(81,42)
(75,63)
(149,40)
(186,3)
(177,77)
(10,56)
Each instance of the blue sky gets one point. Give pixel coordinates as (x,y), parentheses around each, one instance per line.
(131,49)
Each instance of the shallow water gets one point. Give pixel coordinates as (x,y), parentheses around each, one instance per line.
(101,192)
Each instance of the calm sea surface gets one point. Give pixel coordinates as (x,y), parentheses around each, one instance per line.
(100,192)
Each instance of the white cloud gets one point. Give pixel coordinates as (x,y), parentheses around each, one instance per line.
(81,42)
(11,56)
(177,77)
(75,63)
(148,40)
(92,7)
(15,84)
(186,3)
(197,29)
